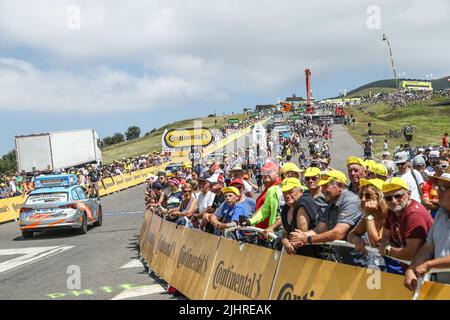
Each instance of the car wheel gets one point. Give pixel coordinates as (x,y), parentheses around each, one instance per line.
(84,226)
(27,234)
(99,221)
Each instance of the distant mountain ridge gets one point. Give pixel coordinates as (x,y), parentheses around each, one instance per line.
(438,84)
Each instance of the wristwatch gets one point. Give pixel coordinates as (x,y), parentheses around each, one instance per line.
(309,239)
(369,217)
(387,250)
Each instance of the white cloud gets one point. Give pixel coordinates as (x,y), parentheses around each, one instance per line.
(193,50)
(25,87)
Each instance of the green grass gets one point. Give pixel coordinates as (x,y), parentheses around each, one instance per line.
(152,142)
(430,122)
(374,90)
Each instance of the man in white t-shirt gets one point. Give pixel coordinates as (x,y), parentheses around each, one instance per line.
(205,200)
(412,177)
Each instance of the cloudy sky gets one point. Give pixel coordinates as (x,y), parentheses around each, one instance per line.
(110,64)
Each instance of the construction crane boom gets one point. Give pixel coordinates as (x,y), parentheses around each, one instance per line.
(392,58)
(308,90)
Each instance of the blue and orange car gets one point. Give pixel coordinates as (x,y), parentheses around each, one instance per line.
(59,202)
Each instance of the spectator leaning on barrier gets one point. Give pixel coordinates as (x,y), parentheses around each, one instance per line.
(435,252)
(205,201)
(230,210)
(412,177)
(406,226)
(187,207)
(267,216)
(299,214)
(369,229)
(340,216)
(356,170)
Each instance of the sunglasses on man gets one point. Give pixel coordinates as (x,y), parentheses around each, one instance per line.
(312,178)
(397,196)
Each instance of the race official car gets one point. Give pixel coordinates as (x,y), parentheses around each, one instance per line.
(58,202)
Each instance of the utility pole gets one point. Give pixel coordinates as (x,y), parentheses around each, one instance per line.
(392,59)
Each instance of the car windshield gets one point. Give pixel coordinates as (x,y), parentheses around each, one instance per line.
(47,198)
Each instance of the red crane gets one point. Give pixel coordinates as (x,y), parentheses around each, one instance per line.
(308,90)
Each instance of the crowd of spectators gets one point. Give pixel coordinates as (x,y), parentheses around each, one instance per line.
(392,211)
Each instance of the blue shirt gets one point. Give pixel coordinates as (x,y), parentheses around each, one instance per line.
(231,213)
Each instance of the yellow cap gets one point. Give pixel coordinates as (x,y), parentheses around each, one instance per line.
(377,183)
(393,184)
(290,167)
(333,175)
(312,172)
(169,175)
(356,160)
(231,189)
(369,162)
(291,183)
(187,165)
(378,169)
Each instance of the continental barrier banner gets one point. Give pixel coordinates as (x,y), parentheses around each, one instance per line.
(145,224)
(169,242)
(242,272)
(204,266)
(10,207)
(434,291)
(151,236)
(194,263)
(304,278)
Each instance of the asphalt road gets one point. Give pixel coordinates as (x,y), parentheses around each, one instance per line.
(102,264)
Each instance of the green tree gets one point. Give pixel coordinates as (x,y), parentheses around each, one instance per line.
(133,133)
(8,162)
(117,138)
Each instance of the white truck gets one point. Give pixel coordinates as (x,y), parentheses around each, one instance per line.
(49,152)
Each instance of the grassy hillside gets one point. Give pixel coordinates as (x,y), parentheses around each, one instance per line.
(430,118)
(371,90)
(152,142)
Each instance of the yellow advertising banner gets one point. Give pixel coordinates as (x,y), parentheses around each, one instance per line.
(242,272)
(169,242)
(304,278)
(119,181)
(151,236)
(109,184)
(144,227)
(10,208)
(194,263)
(128,180)
(178,138)
(434,291)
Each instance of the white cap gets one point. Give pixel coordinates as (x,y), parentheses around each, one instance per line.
(385,153)
(401,157)
(421,150)
(434,154)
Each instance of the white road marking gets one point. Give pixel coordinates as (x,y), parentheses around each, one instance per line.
(122,213)
(140,291)
(136,263)
(28,256)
